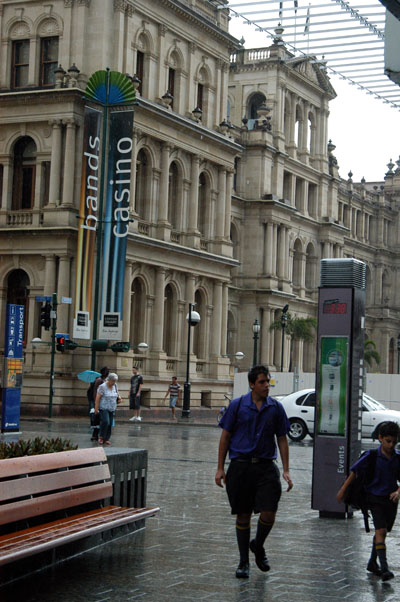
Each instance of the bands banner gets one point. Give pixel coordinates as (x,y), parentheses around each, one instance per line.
(88,217)
(116,223)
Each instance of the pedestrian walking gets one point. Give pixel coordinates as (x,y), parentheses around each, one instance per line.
(174,391)
(107,399)
(92,392)
(249,428)
(381,492)
(135,394)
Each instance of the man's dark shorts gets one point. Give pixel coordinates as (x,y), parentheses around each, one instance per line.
(134,402)
(253,487)
(383,511)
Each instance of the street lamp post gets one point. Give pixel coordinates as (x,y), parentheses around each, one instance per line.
(256,331)
(283,324)
(192,318)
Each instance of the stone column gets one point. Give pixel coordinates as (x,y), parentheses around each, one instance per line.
(224,320)
(158,313)
(269,252)
(302,279)
(55,168)
(132,206)
(190,286)
(216,319)
(191,100)
(275,249)
(281,253)
(193,238)
(63,290)
(49,285)
(6,192)
(164,181)
(162,30)
(228,201)
(69,164)
(287,262)
(220,212)
(127,302)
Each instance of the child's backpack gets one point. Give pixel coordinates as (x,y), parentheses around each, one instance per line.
(355,495)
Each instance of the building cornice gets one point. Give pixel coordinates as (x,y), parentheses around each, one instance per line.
(171,247)
(197,128)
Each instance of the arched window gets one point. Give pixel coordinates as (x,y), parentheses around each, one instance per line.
(24,174)
(255,101)
(138,312)
(142,64)
(174,193)
(18,293)
(143,185)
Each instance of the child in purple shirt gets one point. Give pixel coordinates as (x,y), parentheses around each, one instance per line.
(382,494)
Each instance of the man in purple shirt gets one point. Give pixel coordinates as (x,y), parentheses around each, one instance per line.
(382,493)
(249,427)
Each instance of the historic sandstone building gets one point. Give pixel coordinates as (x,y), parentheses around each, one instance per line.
(233,205)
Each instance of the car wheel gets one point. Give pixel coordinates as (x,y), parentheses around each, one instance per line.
(298,430)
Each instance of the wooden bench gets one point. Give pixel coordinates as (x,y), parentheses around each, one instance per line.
(33,488)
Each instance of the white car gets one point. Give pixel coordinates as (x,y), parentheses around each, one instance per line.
(300,409)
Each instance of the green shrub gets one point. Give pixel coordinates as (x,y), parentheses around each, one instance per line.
(34,447)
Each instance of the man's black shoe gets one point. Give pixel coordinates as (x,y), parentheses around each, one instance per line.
(386,575)
(373,567)
(261,559)
(243,570)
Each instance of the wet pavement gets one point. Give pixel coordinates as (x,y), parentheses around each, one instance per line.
(189,551)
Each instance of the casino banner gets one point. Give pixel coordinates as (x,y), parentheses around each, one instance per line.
(88,221)
(116,223)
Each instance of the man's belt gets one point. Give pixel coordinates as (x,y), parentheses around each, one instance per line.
(253,460)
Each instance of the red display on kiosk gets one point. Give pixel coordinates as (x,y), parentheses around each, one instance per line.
(334,307)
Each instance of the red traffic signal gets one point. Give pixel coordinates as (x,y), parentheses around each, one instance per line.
(60,343)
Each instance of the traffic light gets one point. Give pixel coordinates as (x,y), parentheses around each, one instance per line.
(60,343)
(120,346)
(45,319)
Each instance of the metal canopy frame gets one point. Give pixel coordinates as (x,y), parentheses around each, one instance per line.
(302,21)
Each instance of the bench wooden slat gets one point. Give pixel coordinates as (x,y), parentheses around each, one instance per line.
(53,502)
(29,464)
(34,485)
(32,541)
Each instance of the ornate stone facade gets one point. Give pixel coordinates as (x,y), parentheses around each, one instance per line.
(232,215)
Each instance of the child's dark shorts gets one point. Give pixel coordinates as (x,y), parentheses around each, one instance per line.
(383,511)
(253,487)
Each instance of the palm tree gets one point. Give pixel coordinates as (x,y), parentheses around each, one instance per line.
(299,329)
(370,353)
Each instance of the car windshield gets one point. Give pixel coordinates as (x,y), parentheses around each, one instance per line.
(371,404)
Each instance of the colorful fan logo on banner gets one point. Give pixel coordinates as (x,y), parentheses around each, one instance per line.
(120,88)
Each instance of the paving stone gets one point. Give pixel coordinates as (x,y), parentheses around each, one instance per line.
(189,551)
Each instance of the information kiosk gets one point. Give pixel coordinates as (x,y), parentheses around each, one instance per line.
(339,380)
